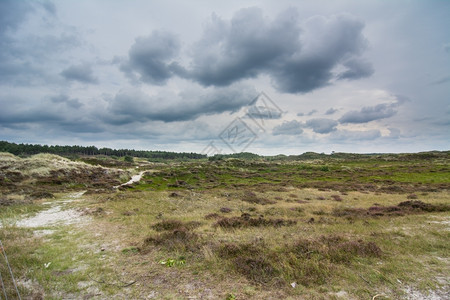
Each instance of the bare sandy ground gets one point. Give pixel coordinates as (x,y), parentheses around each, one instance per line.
(55,215)
(134,178)
(51,217)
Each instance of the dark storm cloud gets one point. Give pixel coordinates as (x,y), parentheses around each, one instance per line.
(370,113)
(298,57)
(356,68)
(326,44)
(243,47)
(322,125)
(82,73)
(133,105)
(288,128)
(150,57)
(331,111)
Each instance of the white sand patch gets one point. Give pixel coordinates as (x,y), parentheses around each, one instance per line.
(51,217)
(412,294)
(134,178)
(55,215)
(444,221)
(76,195)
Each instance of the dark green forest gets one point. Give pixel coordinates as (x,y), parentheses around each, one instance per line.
(30,149)
(71,151)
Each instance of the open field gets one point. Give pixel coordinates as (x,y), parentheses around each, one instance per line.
(342,227)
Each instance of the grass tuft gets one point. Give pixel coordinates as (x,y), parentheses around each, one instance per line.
(167,225)
(181,239)
(246,221)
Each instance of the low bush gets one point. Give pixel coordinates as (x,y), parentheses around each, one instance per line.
(336,198)
(245,220)
(181,239)
(174,225)
(401,209)
(225,210)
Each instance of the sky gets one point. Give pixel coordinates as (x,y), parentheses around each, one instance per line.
(268,77)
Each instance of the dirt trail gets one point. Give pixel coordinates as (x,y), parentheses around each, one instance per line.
(55,215)
(58,215)
(134,178)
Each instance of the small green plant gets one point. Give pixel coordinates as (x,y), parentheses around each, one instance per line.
(170,262)
(230,297)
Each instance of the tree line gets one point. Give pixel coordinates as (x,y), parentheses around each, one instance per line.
(30,149)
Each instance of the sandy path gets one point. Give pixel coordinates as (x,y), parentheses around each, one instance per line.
(134,178)
(51,217)
(55,215)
